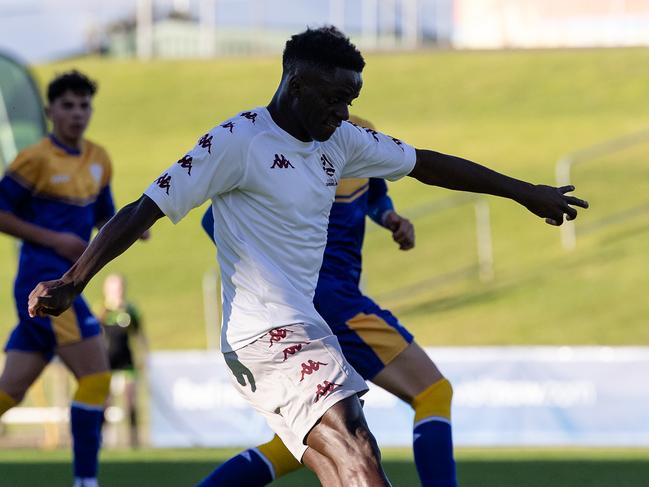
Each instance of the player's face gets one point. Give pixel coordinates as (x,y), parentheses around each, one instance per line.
(324,100)
(70,114)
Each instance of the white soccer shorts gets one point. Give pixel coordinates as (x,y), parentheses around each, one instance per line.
(292,375)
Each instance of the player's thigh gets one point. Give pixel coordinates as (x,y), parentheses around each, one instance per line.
(409,373)
(342,431)
(85,357)
(20,371)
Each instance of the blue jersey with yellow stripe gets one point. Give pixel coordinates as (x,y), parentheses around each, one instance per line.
(355,199)
(64,190)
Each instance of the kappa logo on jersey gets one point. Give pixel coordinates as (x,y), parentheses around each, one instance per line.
(281,162)
(374,133)
(309,368)
(252,116)
(164,182)
(206,142)
(293,349)
(325,389)
(277,335)
(229,126)
(186,163)
(398,142)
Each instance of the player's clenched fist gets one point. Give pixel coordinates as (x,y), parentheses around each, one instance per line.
(51,298)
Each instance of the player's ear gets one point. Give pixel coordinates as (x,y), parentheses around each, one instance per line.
(48,112)
(295,83)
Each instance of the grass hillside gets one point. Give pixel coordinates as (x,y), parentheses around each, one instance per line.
(514,111)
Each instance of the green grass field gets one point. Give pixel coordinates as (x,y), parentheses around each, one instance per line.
(515,111)
(476,468)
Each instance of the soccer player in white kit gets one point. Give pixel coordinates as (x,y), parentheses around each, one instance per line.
(271,174)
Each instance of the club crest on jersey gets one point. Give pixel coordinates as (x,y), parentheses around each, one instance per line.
(281,162)
(329,170)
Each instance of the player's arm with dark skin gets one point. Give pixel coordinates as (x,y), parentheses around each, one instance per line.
(453,172)
(65,244)
(117,235)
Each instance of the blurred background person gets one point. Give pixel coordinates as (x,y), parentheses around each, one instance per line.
(127,347)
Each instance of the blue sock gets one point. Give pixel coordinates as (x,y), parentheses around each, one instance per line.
(85,422)
(433,446)
(247,469)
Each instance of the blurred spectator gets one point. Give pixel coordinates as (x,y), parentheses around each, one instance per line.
(127,346)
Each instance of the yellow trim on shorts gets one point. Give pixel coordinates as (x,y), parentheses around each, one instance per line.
(66,327)
(383,339)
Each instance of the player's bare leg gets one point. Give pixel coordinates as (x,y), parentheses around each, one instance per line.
(21,369)
(414,377)
(409,374)
(342,436)
(323,467)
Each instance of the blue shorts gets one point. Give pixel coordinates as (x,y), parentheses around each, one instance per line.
(370,337)
(46,334)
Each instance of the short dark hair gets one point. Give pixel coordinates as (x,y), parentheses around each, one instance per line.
(73,81)
(325,47)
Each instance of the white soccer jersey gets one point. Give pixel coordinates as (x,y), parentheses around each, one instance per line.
(271,195)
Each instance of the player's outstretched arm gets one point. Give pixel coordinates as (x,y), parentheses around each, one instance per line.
(117,235)
(453,172)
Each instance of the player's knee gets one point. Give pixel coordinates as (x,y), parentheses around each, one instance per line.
(434,401)
(93,389)
(279,456)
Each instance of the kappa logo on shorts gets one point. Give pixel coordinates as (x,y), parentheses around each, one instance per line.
(325,389)
(277,335)
(281,162)
(186,163)
(309,368)
(293,349)
(164,182)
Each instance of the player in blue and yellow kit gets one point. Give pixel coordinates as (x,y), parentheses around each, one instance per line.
(372,339)
(51,197)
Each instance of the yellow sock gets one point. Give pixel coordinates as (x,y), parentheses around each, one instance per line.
(276,453)
(93,389)
(435,401)
(6,402)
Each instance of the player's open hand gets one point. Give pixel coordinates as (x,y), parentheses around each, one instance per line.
(403,232)
(553,203)
(51,298)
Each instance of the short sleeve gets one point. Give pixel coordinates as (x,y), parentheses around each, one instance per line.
(18,182)
(372,154)
(216,165)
